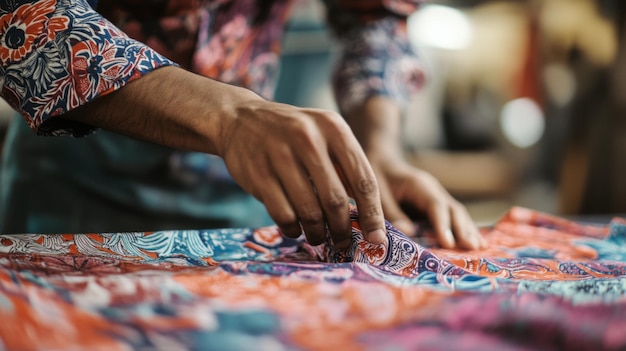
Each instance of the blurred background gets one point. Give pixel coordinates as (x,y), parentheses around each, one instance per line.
(524,103)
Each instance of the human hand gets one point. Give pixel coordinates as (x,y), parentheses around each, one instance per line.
(402,184)
(376,124)
(294,161)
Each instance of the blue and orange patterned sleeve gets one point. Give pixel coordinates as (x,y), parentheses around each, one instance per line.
(377,57)
(57,55)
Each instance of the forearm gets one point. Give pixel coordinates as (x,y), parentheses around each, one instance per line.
(283,155)
(376,123)
(404,188)
(376,73)
(169,106)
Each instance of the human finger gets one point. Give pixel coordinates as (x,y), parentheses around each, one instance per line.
(465,231)
(272,195)
(301,194)
(362,184)
(439,215)
(333,199)
(392,210)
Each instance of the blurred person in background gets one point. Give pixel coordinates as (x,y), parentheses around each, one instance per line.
(108,182)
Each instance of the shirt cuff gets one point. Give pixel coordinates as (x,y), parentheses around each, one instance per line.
(58,55)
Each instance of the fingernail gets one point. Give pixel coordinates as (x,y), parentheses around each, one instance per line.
(449,236)
(377,236)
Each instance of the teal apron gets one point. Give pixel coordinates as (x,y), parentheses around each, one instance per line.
(106,182)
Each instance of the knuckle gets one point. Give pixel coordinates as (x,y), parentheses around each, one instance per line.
(311,142)
(311,215)
(282,153)
(326,117)
(336,202)
(367,186)
(371,212)
(332,118)
(298,124)
(302,125)
(438,206)
(427,179)
(339,126)
(307,136)
(262,170)
(456,206)
(424,175)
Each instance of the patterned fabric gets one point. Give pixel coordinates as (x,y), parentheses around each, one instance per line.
(543,283)
(377,57)
(58,55)
(377,60)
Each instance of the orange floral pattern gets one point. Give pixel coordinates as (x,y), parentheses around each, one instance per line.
(58,55)
(30,23)
(242,288)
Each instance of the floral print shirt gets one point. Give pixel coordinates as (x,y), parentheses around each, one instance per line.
(59,54)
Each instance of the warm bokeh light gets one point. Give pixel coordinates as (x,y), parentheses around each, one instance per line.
(440,27)
(522,122)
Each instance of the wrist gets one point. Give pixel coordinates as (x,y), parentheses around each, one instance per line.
(171,107)
(234,103)
(376,125)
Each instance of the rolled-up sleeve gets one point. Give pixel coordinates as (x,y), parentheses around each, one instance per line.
(57,55)
(377,57)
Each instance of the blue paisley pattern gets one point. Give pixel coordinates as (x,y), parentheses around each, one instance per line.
(242,289)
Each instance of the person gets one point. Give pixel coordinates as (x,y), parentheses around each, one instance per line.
(185,82)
